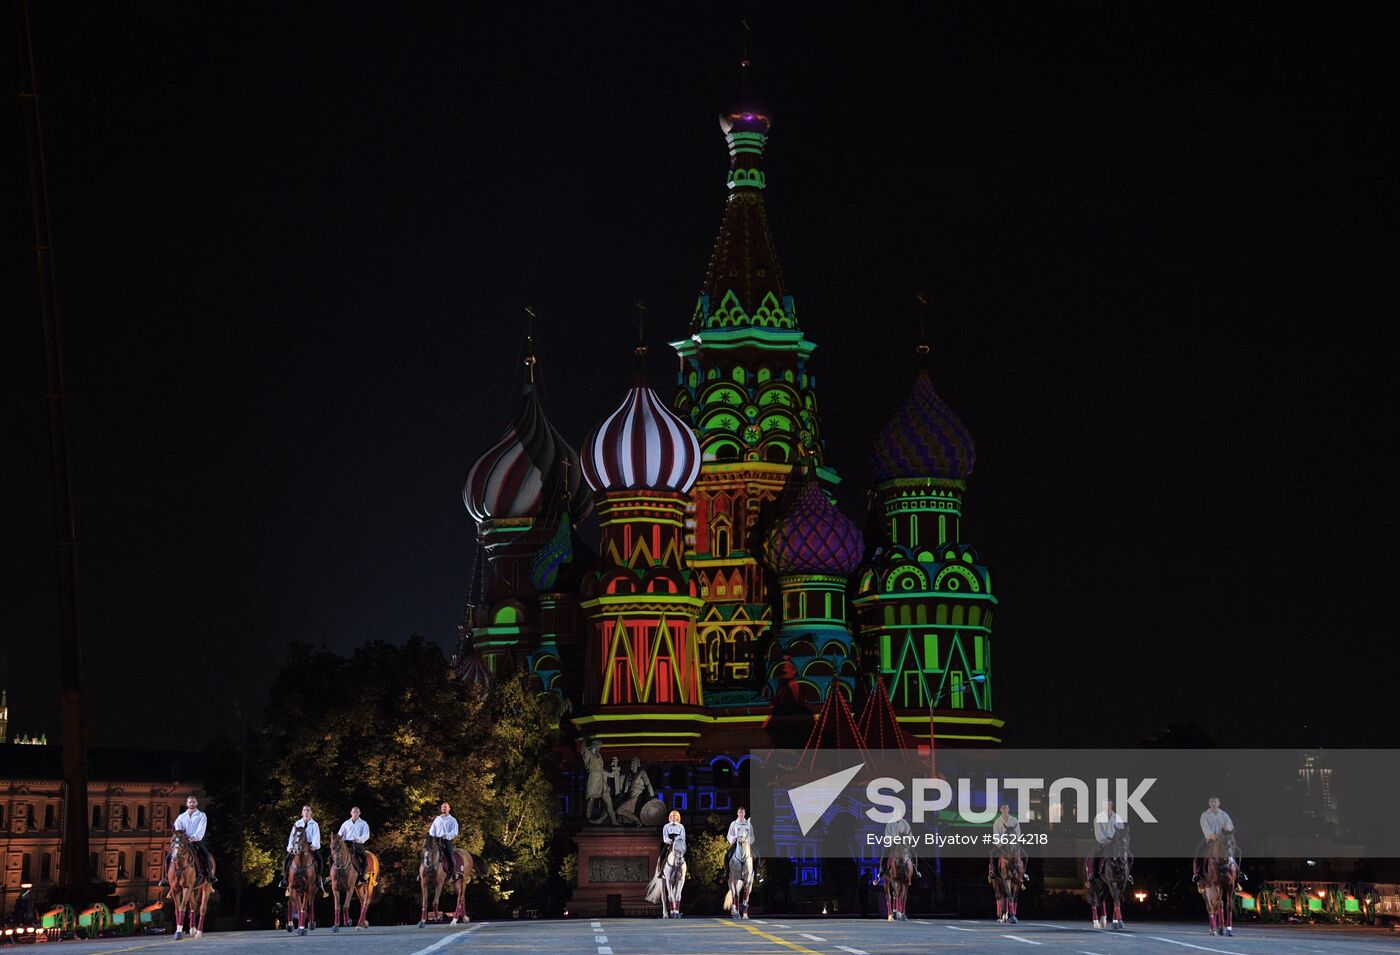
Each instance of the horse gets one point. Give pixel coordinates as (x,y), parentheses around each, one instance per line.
(897,870)
(1007,873)
(1110,882)
(1217,885)
(345,883)
(302,883)
(433,870)
(185,888)
(669,880)
(741,865)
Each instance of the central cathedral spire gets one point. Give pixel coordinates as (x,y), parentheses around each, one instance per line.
(744,282)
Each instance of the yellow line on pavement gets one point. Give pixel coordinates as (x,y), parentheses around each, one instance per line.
(773,938)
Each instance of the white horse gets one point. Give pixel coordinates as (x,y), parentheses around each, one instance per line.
(741,864)
(669,879)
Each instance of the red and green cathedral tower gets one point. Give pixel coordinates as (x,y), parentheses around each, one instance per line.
(745,387)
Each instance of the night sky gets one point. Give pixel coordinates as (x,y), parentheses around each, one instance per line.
(294,244)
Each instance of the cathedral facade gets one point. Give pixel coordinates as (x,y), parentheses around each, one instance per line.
(726,603)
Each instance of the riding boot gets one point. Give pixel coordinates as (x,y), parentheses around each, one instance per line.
(286,866)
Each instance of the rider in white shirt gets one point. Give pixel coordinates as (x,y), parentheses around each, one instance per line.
(355,832)
(1215,822)
(444,829)
(740,824)
(193,824)
(313,840)
(1106,825)
(669,833)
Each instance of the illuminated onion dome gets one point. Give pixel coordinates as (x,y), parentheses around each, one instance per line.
(641,446)
(813,537)
(925,438)
(522,470)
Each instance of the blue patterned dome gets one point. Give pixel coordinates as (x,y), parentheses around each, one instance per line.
(925,438)
(814,537)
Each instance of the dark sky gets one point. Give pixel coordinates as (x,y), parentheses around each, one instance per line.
(294,243)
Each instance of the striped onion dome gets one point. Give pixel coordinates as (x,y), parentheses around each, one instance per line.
(642,445)
(521,472)
(925,438)
(813,537)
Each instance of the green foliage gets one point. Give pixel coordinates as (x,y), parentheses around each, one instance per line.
(705,853)
(390,730)
(568,870)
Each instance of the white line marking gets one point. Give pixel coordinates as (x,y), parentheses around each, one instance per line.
(596,926)
(1062,928)
(1199,948)
(1089,953)
(601,939)
(450,938)
(758,921)
(604,950)
(1020,939)
(955,928)
(815,938)
(779,926)
(853,951)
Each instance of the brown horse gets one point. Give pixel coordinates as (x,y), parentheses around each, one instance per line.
(897,874)
(1217,884)
(180,873)
(301,884)
(345,883)
(432,871)
(1007,873)
(1109,882)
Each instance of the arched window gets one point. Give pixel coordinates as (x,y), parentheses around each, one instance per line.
(721,541)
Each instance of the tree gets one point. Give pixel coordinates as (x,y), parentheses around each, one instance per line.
(390,730)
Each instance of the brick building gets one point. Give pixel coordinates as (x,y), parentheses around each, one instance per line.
(133,798)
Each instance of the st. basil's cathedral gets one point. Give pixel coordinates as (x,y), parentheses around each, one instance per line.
(728,604)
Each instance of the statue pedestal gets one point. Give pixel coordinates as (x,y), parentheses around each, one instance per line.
(615,864)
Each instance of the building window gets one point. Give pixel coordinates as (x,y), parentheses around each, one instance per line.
(45,868)
(92,865)
(49,821)
(97,817)
(126,818)
(29,817)
(679,801)
(707,800)
(140,817)
(2,817)
(24,868)
(139,869)
(121,866)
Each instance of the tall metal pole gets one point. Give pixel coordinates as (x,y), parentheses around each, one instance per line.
(74,864)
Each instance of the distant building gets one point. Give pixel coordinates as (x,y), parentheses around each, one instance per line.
(133,799)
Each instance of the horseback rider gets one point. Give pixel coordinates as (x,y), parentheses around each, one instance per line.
(1107,825)
(669,832)
(313,842)
(444,829)
(193,824)
(740,824)
(1006,830)
(355,832)
(1215,823)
